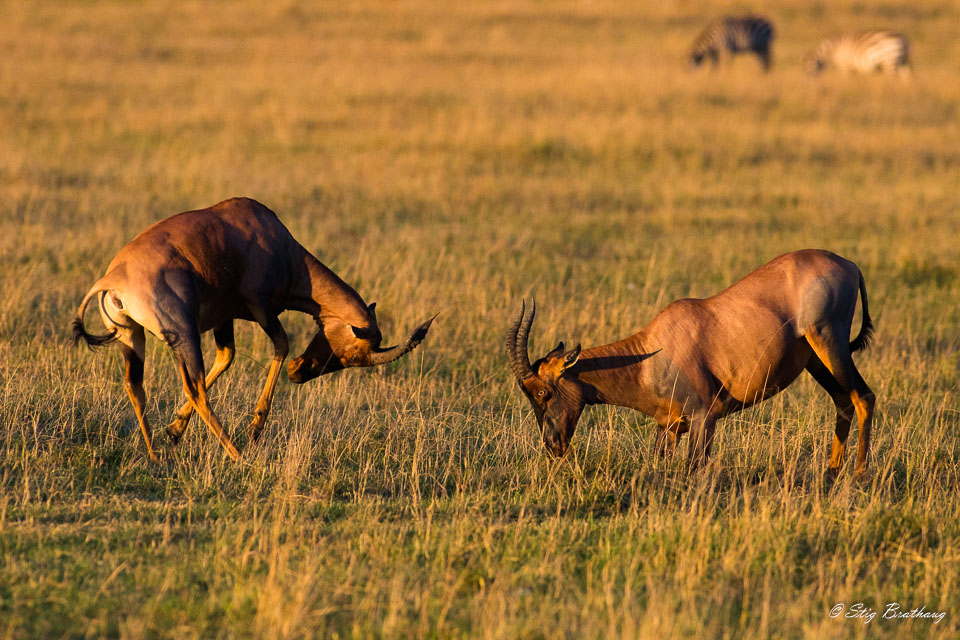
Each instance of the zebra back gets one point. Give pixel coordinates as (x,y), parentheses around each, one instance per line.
(734,34)
(865,52)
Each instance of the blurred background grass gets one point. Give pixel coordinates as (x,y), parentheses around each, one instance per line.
(455,157)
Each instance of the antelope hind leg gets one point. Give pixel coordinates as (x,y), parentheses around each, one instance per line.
(226,350)
(132,345)
(190,362)
(845,411)
(835,354)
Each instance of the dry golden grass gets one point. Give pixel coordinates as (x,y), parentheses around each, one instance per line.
(456,157)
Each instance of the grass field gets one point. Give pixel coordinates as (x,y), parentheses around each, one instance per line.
(456,157)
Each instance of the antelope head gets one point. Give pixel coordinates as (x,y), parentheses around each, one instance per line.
(339,345)
(550,384)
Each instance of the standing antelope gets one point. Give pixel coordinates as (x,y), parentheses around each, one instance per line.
(735,34)
(201,270)
(868,52)
(700,360)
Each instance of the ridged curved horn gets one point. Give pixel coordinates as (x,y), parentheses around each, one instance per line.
(517,337)
(383,356)
(510,339)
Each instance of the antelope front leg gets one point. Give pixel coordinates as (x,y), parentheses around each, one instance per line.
(665,441)
(281,347)
(701,437)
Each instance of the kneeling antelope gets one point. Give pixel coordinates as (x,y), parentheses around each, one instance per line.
(699,360)
(201,270)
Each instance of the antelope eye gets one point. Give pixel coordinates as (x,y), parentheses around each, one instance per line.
(541,393)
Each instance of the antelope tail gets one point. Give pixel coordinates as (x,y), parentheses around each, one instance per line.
(80,333)
(862,341)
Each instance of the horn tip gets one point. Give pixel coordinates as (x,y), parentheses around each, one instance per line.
(421,331)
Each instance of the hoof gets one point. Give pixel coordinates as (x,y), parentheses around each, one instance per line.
(830,476)
(256,428)
(232,452)
(175,430)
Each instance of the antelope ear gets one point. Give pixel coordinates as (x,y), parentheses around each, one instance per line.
(372,308)
(362,333)
(570,358)
(557,350)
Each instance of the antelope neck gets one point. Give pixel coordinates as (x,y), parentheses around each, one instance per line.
(334,296)
(612,371)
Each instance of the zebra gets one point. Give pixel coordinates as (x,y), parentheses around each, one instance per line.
(877,50)
(735,34)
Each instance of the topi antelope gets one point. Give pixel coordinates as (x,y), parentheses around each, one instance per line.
(201,270)
(700,360)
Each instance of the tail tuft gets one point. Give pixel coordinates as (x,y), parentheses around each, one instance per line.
(862,341)
(93,342)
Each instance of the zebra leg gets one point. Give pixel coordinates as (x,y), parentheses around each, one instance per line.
(766,59)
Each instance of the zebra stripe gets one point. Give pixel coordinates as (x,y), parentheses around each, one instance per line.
(868,52)
(734,34)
